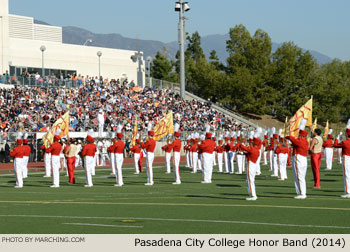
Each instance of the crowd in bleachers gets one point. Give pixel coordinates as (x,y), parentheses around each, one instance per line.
(35,109)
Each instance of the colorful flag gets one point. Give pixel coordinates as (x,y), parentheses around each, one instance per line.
(134,133)
(164,127)
(63,124)
(305,112)
(326,130)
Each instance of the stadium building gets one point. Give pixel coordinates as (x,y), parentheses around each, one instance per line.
(26,46)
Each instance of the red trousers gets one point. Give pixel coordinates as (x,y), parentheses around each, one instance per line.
(289,163)
(71,166)
(315,164)
(140,161)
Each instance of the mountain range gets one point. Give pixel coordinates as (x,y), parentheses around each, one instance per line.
(75,35)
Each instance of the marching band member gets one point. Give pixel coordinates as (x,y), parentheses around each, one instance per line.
(215,154)
(252,153)
(176,146)
(301,148)
(227,148)
(339,150)
(316,154)
(220,149)
(18,154)
(194,152)
(104,153)
(47,161)
(99,146)
(77,156)
(200,156)
(328,150)
(345,146)
(265,143)
(239,154)
(257,135)
(112,156)
(137,149)
(27,151)
(62,157)
(149,146)
(282,152)
(187,151)
(207,148)
(274,155)
(232,152)
(88,153)
(271,148)
(55,150)
(70,152)
(119,156)
(168,148)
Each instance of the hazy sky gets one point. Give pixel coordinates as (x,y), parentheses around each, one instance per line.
(321,25)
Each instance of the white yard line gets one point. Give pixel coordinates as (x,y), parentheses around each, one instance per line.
(160,204)
(100,225)
(172,220)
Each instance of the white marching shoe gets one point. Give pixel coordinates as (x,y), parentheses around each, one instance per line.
(252,198)
(346,196)
(300,197)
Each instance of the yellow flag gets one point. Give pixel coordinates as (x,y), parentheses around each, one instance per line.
(164,127)
(134,133)
(326,130)
(305,112)
(63,124)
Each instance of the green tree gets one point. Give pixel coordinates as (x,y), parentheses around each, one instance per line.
(161,67)
(214,60)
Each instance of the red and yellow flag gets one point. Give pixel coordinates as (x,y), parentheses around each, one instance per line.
(305,112)
(134,133)
(63,124)
(164,127)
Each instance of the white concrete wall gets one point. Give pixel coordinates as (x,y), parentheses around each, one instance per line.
(83,59)
(25,52)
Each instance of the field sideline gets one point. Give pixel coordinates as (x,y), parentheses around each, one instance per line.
(191,207)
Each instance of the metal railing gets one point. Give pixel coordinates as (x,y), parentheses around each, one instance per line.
(42,82)
(160,84)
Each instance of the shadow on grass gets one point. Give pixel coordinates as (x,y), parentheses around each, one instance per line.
(224,185)
(275,186)
(218,197)
(334,175)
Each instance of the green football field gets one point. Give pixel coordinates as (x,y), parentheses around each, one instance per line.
(191,207)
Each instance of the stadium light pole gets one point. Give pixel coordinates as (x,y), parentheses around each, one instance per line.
(182,7)
(87,41)
(149,59)
(137,57)
(42,49)
(99,54)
